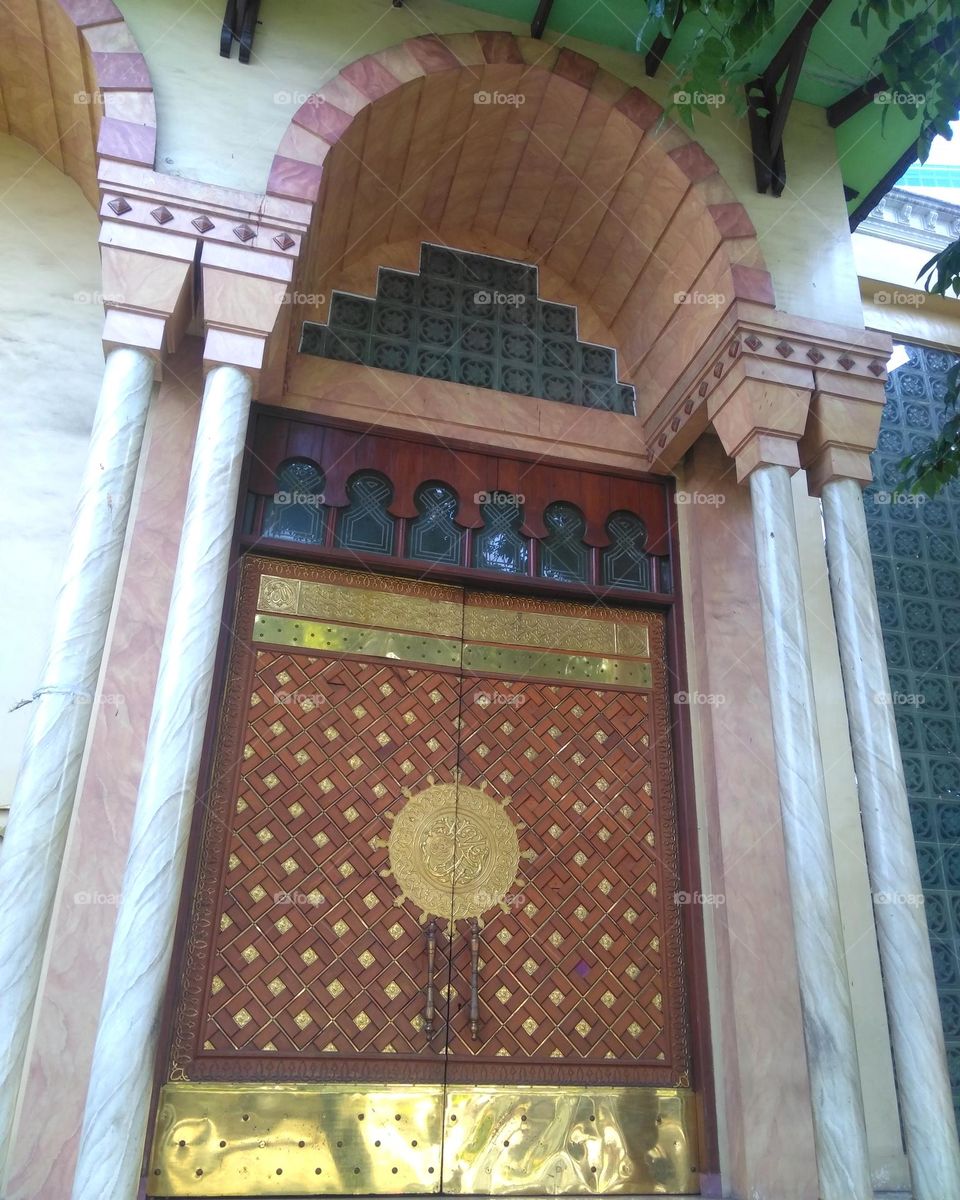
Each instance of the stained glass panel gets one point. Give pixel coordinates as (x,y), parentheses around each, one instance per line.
(500,546)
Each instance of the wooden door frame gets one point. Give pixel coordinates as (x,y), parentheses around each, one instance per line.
(702,1067)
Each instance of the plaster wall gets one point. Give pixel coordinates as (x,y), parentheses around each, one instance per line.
(50,364)
(221,122)
(892,262)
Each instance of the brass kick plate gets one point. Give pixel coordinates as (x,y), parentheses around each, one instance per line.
(296,1140)
(339,1139)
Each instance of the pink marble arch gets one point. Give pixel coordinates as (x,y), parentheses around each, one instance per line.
(324,119)
(56,50)
(585,177)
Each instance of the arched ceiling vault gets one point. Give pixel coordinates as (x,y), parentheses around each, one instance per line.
(500,144)
(74,85)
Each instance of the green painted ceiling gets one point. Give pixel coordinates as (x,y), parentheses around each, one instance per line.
(839,58)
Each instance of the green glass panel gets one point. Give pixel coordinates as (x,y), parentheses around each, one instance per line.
(625,562)
(476,320)
(296,511)
(563,554)
(364,524)
(434,535)
(916,564)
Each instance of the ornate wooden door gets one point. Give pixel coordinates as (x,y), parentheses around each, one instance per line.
(433,944)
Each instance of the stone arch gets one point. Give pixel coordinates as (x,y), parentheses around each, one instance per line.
(74,84)
(621,209)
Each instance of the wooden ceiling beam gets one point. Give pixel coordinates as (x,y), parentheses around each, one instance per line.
(800,33)
(766,128)
(855,101)
(540,18)
(880,189)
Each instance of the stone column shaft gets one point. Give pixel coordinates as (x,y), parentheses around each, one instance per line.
(839,1131)
(42,803)
(121,1078)
(909,984)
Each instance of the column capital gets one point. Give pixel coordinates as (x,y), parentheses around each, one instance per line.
(246,311)
(147,288)
(181,256)
(752,345)
(843,428)
(760,413)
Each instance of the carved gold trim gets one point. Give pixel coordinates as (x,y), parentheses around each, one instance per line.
(440,612)
(603,633)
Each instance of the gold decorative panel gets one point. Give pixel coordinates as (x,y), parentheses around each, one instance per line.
(344,639)
(296,1139)
(432,944)
(362,599)
(453,851)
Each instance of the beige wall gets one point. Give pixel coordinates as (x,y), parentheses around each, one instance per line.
(221,122)
(50,364)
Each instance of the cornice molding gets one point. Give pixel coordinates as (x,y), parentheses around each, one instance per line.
(237,254)
(911,220)
(772,349)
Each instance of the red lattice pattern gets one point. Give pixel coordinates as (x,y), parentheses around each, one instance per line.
(311,954)
(313,957)
(574,969)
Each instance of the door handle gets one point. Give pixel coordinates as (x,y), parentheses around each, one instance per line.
(475,979)
(430,1008)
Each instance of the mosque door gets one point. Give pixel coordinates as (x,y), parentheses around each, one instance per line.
(433,945)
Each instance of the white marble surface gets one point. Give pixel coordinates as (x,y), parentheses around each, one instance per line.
(914,1012)
(118,1099)
(62,707)
(839,1133)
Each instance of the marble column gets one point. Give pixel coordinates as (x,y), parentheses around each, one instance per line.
(121,1077)
(62,707)
(916,1029)
(839,1131)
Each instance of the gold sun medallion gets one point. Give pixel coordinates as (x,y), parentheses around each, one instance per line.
(453,851)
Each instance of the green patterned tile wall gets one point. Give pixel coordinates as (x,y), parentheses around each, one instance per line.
(473,319)
(916,560)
